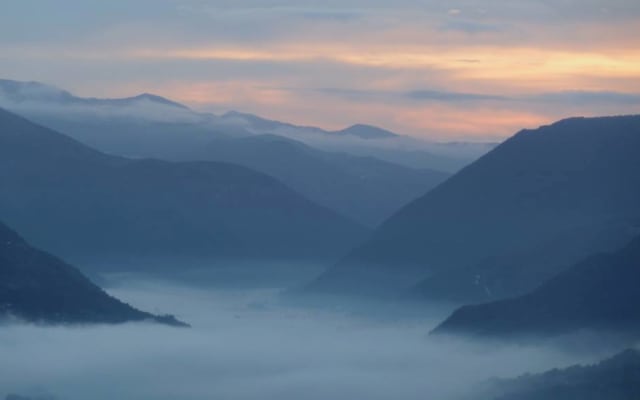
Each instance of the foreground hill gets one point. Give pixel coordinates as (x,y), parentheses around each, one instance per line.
(599,293)
(617,378)
(536,204)
(117,210)
(37,287)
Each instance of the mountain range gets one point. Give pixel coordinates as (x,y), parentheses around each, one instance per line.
(367,140)
(533,206)
(360,187)
(512,231)
(118,210)
(38,287)
(61,110)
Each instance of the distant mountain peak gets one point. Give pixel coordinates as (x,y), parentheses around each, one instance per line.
(365,131)
(20,91)
(157,99)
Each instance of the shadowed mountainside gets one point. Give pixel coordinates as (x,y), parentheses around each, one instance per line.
(539,202)
(38,287)
(599,293)
(364,188)
(85,205)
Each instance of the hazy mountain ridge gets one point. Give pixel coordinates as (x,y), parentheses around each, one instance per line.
(152,126)
(33,93)
(371,141)
(105,123)
(118,209)
(38,287)
(38,92)
(562,187)
(259,125)
(364,188)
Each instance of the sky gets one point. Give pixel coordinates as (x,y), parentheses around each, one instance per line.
(455,70)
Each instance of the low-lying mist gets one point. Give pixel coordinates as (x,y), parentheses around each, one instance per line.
(245,344)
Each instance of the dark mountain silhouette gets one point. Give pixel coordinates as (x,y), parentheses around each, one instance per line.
(38,287)
(85,205)
(599,293)
(539,202)
(616,378)
(364,188)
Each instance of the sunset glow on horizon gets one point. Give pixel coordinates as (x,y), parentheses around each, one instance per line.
(462,71)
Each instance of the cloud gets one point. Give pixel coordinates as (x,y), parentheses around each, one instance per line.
(287,12)
(576,98)
(30,98)
(499,54)
(444,96)
(470,27)
(362,95)
(587,98)
(423,95)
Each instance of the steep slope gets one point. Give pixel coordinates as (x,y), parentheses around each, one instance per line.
(116,209)
(599,293)
(616,378)
(37,287)
(546,197)
(364,188)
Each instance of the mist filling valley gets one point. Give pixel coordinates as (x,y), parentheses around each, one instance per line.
(254,343)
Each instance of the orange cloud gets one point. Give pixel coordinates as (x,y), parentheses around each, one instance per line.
(521,68)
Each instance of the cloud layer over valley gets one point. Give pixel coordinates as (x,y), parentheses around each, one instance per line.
(245,345)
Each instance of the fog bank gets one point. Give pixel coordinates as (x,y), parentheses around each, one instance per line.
(246,345)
